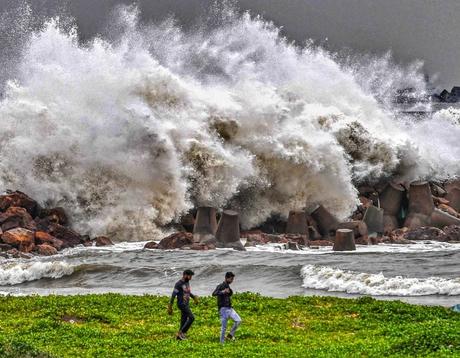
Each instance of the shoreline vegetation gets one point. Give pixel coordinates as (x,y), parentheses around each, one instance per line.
(114,325)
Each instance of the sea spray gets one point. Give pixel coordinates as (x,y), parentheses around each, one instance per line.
(130,131)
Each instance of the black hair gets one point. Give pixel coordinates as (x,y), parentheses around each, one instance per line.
(229,274)
(189,272)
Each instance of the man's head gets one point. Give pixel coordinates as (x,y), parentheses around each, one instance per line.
(229,276)
(187,275)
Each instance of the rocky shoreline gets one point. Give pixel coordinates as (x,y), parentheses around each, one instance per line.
(392,213)
(27,229)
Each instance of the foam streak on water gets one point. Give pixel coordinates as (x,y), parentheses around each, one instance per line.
(337,280)
(131,130)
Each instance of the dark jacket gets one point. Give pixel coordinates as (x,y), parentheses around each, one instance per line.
(183,292)
(223,299)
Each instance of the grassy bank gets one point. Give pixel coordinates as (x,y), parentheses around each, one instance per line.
(130,326)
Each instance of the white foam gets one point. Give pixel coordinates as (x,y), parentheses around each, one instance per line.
(337,280)
(15,272)
(130,133)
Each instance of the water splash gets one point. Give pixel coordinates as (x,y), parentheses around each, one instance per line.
(131,130)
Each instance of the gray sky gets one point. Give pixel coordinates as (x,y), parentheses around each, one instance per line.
(413,29)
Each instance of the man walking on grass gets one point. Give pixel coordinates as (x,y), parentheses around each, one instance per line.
(224,293)
(183,293)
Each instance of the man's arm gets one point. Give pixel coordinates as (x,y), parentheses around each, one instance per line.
(218,291)
(173,296)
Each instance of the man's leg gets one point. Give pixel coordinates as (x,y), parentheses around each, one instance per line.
(223,320)
(189,318)
(236,321)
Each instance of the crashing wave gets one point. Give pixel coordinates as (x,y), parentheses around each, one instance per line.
(13,273)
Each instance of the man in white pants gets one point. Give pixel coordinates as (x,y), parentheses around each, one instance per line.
(224,293)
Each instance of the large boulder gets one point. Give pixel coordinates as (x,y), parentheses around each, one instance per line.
(21,200)
(20,238)
(103,241)
(42,237)
(176,241)
(69,237)
(151,245)
(46,250)
(15,217)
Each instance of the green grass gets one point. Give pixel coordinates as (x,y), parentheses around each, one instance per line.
(114,325)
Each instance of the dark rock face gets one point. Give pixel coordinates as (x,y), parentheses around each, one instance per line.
(69,237)
(56,215)
(152,245)
(103,241)
(42,237)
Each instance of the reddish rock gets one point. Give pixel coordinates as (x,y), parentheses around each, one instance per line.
(365,202)
(198,246)
(42,237)
(103,241)
(176,241)
(397,237)
(359,229)
(15,217)
(18,237)
(321,243)
(426,233)
(69,237)
(448,209)
(151,245)
(21,200)
(13,253)
(46,250)
(438,201)
(301,240)
(452,233)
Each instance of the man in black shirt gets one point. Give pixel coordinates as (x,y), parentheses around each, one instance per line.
(183,293)
(224,293)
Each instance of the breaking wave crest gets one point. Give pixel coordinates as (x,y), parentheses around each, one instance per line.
(13,273)
(337,280)
(131,130)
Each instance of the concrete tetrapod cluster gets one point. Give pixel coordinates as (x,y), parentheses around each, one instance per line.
(226,234)
(422,211)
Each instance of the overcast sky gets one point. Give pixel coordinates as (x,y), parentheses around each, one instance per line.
(413,29)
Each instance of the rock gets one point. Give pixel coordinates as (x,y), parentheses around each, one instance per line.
(454,198)
(344,240)
(438,200)
(151,245)
(321,243)
(103,241)
(398,237)
(299,239)
(176,241)
(365,202)
(255,237)
(20,238)
(42,237)
(15,217)
(448,209)
(292,246)
(5,247)
(452,233)
(13,253)
(46,250)
(437,190)
(21,200)
(198,246)
(56,215)
(313,233)
(205,227)
(426,233)
(68,237)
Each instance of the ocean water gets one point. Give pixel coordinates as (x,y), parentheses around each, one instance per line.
(131,129)
(422,273)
